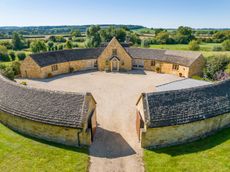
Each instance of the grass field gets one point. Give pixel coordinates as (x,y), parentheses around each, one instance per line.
(203,46)
(22,154)
(208,155)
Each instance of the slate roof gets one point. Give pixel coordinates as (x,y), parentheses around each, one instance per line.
(185,58)
(50,107)
(187,105)
(54,57)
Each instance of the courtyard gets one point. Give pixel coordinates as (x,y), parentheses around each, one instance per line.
(115,144)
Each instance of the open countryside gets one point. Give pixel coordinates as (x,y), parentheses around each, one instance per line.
(114,87)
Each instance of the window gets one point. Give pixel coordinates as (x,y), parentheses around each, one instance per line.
(153,63)
(114,52)
(175,67)
(54,67)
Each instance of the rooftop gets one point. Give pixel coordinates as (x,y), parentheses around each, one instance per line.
(51,107)
(178,107)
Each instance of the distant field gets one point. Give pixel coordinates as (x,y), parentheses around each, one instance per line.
(22,154)
(210,154)
(203,47)
(206,48)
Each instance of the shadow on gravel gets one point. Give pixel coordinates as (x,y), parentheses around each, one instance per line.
(108,144)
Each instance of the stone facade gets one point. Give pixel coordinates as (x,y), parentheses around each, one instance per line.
(57,134)
(105,59)
(113,57)
(178,134)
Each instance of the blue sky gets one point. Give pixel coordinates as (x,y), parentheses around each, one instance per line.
(150,13)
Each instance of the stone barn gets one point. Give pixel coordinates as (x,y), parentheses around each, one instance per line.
(61,117)
(113,57)
(179,116)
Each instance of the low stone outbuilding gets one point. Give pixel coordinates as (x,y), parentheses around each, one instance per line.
(179,116)
(114,57)
(61,117)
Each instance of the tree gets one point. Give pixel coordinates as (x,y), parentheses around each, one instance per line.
(4,54)
(194,45)
(184,35)
(38,46)
(69,44)
(17,41)
(50,45)
(12,55)
(133,38)
(93,38)
(76,33)
(226,45)
(157,31)
(163,37)
(120,34)
(145,43)
(21,55)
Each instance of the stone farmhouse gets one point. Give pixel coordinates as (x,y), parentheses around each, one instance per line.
(67,118)
(162,118)
(112,57)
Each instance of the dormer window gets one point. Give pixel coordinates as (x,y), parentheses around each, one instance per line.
(114,52)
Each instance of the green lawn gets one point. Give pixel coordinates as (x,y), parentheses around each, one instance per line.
(211,154)
(22,154)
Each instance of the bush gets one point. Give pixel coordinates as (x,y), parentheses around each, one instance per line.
(227,69)
(21,55)
(214,65)
(217,48)
(23,83)
(5,57)
(194,45)
(12,55)
(145,43)
(226,45)
(8,72)
(16,67)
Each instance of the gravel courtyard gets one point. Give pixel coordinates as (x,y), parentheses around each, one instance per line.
(115,147)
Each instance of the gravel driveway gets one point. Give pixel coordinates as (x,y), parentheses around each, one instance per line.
(115,146)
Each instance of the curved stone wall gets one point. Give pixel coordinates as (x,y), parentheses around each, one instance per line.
(179,116)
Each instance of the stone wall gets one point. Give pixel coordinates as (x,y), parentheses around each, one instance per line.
(63,135)
(178,134)
(29,69)
(197,67)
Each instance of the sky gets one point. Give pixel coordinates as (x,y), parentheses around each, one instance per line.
(149,13)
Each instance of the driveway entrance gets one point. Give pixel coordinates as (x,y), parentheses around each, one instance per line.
(116,146)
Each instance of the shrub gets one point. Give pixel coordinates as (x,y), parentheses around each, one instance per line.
(217,48)
(226,45)
(214,65)
(145,43)
(197,77)
(227,69)
(5,57)
(194,45)
(16,67)
(23,83)
(21,55)
(8,72)
(12,55)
